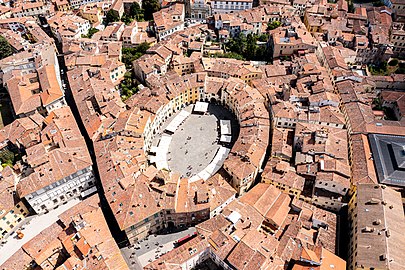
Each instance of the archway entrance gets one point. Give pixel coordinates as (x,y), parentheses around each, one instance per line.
(170,225)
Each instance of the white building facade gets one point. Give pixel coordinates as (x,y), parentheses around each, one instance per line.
(79,184)
(222,6)
(32,10)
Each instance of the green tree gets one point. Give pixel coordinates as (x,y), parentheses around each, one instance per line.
(7,158)
(136,12)
(247,48)
(377,103)
(143,47)
(237,44)
(91,32)
(263,54)
(112,16)
(263,38)
(273,25)
(128,86)
(229,55)
(5,48)
(250,51)
(150,7)
(127,19)
(131,54)
(380,69)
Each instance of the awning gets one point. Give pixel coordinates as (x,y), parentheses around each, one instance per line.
(225,127)
(200,107)
(176,122)
(225,138)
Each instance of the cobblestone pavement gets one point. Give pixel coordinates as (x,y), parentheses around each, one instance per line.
(195,142)
(151,248)
(193,145)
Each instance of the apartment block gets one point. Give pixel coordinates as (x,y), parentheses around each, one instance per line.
(33,81)
(294,39)
(12,212)
(169,20)
(26,9)
(57,166)
(220,6)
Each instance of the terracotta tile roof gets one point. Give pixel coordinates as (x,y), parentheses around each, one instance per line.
(180,255)
(68,155)
(21,92)
(51,90)
(19,260)
(24,131)
(379,216)
(279,210)
(44,244)
(216,223)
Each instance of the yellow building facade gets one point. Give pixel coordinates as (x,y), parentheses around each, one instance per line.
(92,13)
(285,188)
(11,218)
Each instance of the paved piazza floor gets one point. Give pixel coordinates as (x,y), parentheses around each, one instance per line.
(152,248)
(194,144)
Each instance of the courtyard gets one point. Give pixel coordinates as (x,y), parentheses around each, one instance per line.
(151,248)
(195,143)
